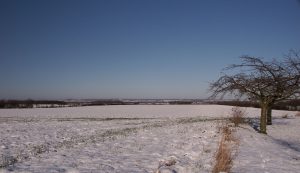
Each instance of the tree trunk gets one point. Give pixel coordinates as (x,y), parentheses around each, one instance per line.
(269,116)
(263,119)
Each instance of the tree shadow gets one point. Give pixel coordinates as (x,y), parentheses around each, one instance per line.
(254,123)
(295,146)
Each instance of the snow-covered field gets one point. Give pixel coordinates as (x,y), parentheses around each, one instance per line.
(277,152)
(139,138)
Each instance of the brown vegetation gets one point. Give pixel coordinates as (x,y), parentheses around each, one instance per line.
(224,155)
(238,116)
(285,116)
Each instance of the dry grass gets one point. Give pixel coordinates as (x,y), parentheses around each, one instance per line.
(224,156)
(164,165)
(238,116)
(284,116)
(227,134)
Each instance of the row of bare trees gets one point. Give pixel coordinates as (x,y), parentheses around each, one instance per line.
(266,82)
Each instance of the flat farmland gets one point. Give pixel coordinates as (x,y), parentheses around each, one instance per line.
(136,138)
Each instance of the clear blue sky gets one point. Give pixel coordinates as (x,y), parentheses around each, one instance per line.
(57,49)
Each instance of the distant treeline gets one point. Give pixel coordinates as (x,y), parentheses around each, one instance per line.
(120,102)
(104,102)
(29,103)
(284,105)
(54,103)
(181,102)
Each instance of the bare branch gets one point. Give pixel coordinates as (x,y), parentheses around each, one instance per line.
(272,81)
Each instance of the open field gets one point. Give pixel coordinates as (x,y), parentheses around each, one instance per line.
(136,138)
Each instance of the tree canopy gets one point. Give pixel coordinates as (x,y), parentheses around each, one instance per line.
(264,81)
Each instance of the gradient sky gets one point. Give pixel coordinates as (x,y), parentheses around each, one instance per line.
(59,49)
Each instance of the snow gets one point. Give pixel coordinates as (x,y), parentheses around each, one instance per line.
(277,152)
(139,138)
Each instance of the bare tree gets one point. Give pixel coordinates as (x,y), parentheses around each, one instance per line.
(262,81)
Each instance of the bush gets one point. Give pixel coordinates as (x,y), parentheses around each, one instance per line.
(238,116)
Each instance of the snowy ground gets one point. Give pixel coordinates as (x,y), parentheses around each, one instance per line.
(277,152)
(136,138)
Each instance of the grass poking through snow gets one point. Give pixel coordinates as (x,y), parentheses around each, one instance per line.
(224,155)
